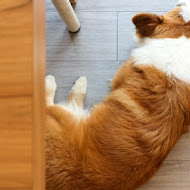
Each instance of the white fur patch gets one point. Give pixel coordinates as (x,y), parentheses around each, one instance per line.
(78,112)
(172,56)
(185,9)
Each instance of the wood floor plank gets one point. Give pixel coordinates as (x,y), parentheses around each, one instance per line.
(181,151)
(92,42)
(98,74)
(173,175)
(126,33)
(121,5)
(15,142)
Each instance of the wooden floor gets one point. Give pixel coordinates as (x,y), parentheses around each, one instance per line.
(96,51)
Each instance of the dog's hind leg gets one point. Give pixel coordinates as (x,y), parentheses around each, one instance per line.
(50,90)
(78,92)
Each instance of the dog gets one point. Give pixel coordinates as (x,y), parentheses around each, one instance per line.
(123,141)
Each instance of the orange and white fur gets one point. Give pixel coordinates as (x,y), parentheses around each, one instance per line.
(122,142)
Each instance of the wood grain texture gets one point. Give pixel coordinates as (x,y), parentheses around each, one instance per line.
(15,142)
(9,4)
(38,130)
(173,175)
(121,5)
(98,43)
(181,151)
(22,68)
(16,94)
(126,33)
(15,50)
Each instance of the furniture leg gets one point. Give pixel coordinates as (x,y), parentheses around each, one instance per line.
(67,14)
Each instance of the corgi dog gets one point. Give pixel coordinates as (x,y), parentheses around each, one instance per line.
(122,141)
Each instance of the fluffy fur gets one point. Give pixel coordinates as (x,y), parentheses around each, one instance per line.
(168,55)
(124,140)
(185,9)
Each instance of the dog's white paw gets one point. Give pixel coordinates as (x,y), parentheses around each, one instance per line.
(50,85)
(80,85)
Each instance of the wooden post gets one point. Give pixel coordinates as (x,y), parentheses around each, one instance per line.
(67,14)
(38,100)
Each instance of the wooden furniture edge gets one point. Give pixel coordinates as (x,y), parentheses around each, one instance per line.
(38,131)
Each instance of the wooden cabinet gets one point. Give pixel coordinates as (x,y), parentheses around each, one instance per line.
(22,72)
